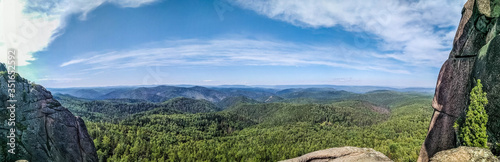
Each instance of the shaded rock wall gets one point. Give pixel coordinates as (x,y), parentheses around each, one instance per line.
(45,131)
(475,55)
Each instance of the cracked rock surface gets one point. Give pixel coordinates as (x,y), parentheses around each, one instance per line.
(475,55)
(339,154)
(45,131)
(464,154)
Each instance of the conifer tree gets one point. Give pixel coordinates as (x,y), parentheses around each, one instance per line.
(473,131)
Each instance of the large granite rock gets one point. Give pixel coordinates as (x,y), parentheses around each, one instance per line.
(487,69)
(453,87)
(464,154)
(44,130)
(441,135)
(341,154)
(475,55)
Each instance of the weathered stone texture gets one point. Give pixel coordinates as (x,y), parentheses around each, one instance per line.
(45,131)
(475,55)
(452,88)
(441,135)
(341,154)
(464,154)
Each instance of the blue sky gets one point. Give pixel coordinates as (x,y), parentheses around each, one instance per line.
(77,43)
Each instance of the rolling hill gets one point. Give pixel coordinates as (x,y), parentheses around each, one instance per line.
(393,123)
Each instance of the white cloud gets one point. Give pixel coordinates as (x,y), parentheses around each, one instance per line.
(30,25)
(58,80)
(235,52)
(27,33)
(73,62)
(416,32)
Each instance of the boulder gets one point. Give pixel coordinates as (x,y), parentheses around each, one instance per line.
(341,154)
(44,130)
(464,154)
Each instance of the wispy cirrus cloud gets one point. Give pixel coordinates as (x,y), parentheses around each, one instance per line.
(31,25)
(59,80)
(418,32)
(237,52)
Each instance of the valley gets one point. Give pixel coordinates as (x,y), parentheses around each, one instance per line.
(168,123)
(218,80)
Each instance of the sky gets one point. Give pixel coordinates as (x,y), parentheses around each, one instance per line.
(91,43)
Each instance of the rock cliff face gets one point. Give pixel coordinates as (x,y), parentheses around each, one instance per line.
(44,130)
(475,55)
(341,154)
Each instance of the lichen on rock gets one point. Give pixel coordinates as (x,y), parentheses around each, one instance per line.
(464,154)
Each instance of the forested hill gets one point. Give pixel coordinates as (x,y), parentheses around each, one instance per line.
(252,126)
(348,113)
(117,109)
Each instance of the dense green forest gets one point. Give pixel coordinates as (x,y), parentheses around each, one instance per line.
(243,129)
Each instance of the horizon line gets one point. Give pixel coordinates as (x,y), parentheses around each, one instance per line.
(249,86)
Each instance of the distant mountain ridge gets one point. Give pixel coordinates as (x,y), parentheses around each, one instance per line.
(217,94)
(121,103)
(271,124)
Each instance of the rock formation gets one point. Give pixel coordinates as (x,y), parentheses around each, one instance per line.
(342,154)
(464,154)
(475,55)
(44,130)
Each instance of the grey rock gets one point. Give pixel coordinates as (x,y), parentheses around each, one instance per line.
(469,38)
(453,87)
(441,136)
(341,154)
(475,55)
(45,131)
(487,68)
(464,154)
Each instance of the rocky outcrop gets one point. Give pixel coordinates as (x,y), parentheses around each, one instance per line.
(464,154)
(44,130)
(342,154)
(475,55)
